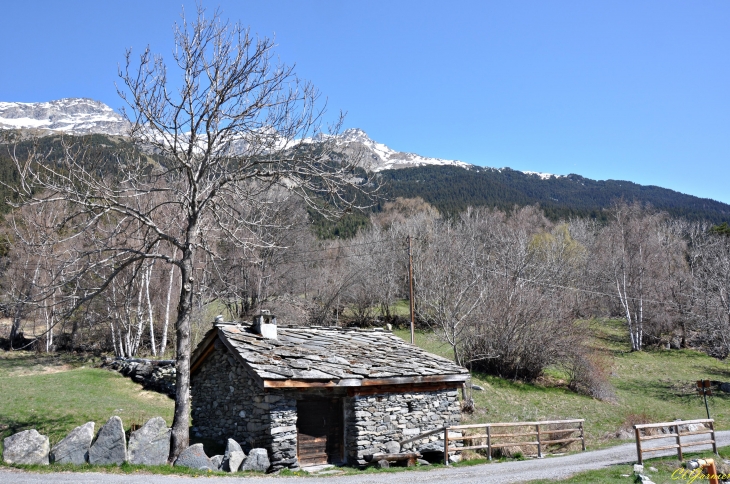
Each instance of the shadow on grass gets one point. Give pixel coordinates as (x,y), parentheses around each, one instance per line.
(9,426)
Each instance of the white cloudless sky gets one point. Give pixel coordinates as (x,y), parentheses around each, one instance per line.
(627,90)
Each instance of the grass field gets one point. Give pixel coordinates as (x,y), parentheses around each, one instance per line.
(653,385)
(54,394)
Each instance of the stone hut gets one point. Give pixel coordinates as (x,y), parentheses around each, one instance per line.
(315,395)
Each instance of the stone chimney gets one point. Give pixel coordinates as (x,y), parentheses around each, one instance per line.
(265,324)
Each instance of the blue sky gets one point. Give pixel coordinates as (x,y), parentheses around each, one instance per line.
(627,90)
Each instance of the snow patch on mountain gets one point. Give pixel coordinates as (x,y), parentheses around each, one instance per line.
(543,176)
(70,115)
(377,156)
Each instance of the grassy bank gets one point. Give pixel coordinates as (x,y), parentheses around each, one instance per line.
(651,386)
(54,394)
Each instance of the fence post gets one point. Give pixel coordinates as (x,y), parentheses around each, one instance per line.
(539,447)
(446,446)
(638,445)
(489,442)
(679,443)
(582,436)
(712,433)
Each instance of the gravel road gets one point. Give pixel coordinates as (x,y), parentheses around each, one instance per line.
(501,473)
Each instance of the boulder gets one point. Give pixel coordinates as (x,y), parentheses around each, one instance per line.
(232,449)
(150,444)
(257,460)
(217,461)
(423,462)
(110,445)
(382,464)
(74,448)
(235,459)
(392,447)
(26,447)
(194,457)
(725,387)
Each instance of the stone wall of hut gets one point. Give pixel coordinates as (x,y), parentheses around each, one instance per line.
(228,403)
(372,421)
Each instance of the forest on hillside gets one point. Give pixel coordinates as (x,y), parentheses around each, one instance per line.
(452,189)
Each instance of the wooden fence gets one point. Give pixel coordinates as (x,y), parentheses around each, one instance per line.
(676,433)
(543,436)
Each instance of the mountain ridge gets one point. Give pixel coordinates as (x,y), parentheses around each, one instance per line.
(449,185)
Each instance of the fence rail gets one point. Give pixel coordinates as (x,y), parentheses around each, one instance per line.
(677,433)
(542,435)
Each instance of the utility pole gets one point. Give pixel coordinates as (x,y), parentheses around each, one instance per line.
(410,280)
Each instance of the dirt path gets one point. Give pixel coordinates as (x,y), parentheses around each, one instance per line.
(505,472)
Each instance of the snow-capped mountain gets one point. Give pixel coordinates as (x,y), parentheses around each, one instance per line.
(377,156)
(79,116)
(70,116)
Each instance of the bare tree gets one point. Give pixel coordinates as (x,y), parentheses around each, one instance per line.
(226,142)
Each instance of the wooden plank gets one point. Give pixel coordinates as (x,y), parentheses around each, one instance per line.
(560,431)
(696,432)
(701,442)
(203,356)
(365,382)
(517,424)
(478,436)
(664,447)
(672,424)
(392,457)
(659,436)
(420,436)
(561,441)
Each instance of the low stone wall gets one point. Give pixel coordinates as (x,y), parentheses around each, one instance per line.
(155,375)
(375,423)
(149,445)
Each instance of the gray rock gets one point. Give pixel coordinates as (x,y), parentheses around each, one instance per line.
(392,447)
(74,448)
(382,464)
(437,446)
(231,447)
(423,462)
(477,388)
(725,387)
(26,447)
(257,460)
(454,459)
(110,445)
(150,444)
(217,461)
(194,457)
(235,459)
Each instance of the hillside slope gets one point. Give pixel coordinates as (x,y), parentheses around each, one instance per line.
(452,189)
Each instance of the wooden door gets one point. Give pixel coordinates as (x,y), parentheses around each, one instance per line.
(320,435)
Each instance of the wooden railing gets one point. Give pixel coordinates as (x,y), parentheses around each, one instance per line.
(542,435)
(677,434)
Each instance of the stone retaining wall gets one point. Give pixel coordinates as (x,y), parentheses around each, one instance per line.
(155,375)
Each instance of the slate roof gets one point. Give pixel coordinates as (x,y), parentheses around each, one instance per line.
(340,356)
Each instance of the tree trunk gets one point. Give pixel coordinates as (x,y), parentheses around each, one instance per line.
(180,424)
(163,344)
